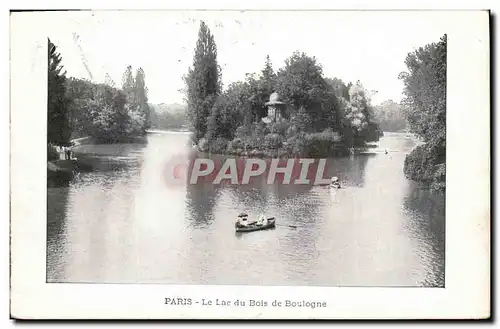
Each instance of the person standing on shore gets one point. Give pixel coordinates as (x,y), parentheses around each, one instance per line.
(68,153)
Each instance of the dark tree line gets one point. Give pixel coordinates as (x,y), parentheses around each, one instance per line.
(58,118)
(425,109)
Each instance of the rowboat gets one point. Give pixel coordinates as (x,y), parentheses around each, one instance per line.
(271,222)
(255,225)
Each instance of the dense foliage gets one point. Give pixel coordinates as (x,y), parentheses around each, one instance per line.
(203,82)
(390,116)
(425,109)
(58,118)
(426,163)
(106,113)
(78,108)
(173,116)
(322,116)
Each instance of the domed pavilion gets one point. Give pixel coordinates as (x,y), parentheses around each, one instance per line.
(275,107)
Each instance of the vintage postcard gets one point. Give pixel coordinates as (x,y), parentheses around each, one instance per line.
(250,164)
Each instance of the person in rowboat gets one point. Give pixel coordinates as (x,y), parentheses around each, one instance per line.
(262,220)
(335,182)
(242,220)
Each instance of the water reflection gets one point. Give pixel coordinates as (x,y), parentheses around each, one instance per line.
(126,223)
(57,203)
(350,170)
(290,202)
(427,211)
(200,201)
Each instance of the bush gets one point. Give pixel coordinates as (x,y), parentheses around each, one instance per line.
(292,131)
(320,144)
(326,143)
(280,127)
(439,177)
(259,129)
(236,146)
(218,145)
(425,164)
(273,141)
(419,164)
(243,132)
(236,143)
(296,144)
(203,145)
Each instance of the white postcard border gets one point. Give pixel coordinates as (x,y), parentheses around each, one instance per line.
(467,213)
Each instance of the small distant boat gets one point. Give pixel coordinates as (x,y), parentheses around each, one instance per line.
(261,224)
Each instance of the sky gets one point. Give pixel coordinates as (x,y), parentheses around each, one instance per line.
(360,45)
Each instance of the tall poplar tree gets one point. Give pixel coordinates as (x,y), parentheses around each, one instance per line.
(128,84)
(268,73)
(141,96)
(202,82)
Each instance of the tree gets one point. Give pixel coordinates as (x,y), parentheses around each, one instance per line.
(301,121)
(339,87)
(141,97)
(390,116)
(108,114)
(425,110)
(257,91)
(128,84)
(360,115)
(79,92)
(202,82)
(109,81)
(237,110)
(301,83)
(168,116)
(425,91)
(137,107)
(214,121)
(268,74)
(58,116)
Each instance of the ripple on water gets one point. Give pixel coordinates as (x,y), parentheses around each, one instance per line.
(120,223)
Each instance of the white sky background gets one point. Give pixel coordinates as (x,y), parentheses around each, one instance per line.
(360,45)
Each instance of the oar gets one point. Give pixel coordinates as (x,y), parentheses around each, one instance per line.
(292,226)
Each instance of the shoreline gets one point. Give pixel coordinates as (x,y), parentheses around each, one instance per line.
(256,153)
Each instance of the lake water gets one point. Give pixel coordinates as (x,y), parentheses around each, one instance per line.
(123,223)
